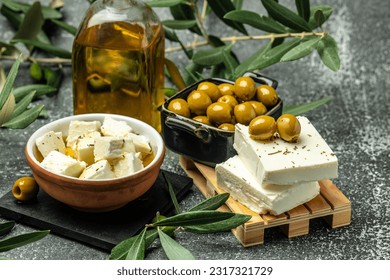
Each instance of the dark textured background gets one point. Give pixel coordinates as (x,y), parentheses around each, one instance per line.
(355,124)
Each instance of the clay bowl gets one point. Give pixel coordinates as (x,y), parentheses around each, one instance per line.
(96,195)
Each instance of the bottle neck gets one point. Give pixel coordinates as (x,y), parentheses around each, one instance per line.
(119,4)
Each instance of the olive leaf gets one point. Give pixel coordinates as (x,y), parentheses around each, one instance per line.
(238,4)
(222,7)
(226,225)
(7,109)
(6,227)
(327,50)
(208,57)
(25,118)
(326,11)
(303,49)
(185,12)
(319,18)
(194,218)
(257,21)
(63,25)
(31,23)
(3,77)
(8,50)
(22,105)
(165,3)
(174,74)
(303,8)
(229,61)
(6,90)
(172,249)
(46,47)
(303,108)
(48,12)
(40,90)
(285,16)
(171,193)
(211,203)
(137,249)
(21,240)
(169,92)
(179,24)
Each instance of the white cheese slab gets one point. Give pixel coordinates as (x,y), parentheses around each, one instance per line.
(128,164)
(98,170)
(50,141)
(234,178)
(111,127)
(62,164)
(110,148)
(141,143)
(283,163)
(84,150)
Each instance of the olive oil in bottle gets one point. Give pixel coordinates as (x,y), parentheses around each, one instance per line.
(118,61)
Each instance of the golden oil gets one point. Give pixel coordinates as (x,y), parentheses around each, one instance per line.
(118,63)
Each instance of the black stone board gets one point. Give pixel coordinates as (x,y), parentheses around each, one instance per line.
(101,230)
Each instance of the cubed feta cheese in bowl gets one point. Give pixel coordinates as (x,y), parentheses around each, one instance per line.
(97,195)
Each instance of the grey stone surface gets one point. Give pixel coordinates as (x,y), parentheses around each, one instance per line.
(355,124)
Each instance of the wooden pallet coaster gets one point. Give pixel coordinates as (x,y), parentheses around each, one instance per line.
(331,204)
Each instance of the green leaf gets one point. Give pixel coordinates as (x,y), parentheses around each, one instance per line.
(164,3)
(171,35)
(169,92)
(137,249)
(119,252)
(222,7)
(303,108)
(40,89)
(328,52)
(25,118)
(46,47)
(301,50)
(228,224)
(6,91)
(319,18)
(172,193)
(326,11)
(192,73)
(172,249)
(211,203)
(8,50)
(21,240)
(48,13)
(6,227)
(257,21)
(3,77)
(238,4)
(285,16)
(229,61)
(179,24)
(22,105)
(303,8)
(8,108)
(63,25)
(174,74)
(208,57)
(31,24)
(185,12)
(194,218)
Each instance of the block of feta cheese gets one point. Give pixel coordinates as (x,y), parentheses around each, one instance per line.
(82,129)
(98,170)
(128,164)
(234,178)
(111,127)
(111,147)
(84,150)
(141,143)
(50,141)
(279,162)
(62,164)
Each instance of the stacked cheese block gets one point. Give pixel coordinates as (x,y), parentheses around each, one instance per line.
(275,176)
(93,150)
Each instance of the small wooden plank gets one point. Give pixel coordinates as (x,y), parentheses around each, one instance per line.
(298,212)
(296,228)
(333,195)
(318,205)
(271,219)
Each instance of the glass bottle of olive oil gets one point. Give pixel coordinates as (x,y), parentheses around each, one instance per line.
(118,61)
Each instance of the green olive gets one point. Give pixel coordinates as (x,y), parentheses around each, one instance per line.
(244,113)
(198,101)
(267,95)
(262,128)
(288,127)
(219,113)
(259,107)
(244,88)
(226,89)
(229,99)
(25,189)
(180,107)
(211,90)
(227,126)
(202,119)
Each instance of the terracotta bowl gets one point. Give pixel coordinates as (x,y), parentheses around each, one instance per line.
(96,195)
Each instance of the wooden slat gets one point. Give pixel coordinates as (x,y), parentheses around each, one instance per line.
(298,212)
(318,205)
(271,219)
(333,195)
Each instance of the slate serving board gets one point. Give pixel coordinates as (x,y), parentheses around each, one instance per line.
(101,230)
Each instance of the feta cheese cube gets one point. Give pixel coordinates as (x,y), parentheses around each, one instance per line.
(115,128)
(50,141)
(98,170)
(62,164)
(141,143)
(283,163)
(111,147)
(79,129)
(84,151)
(128,164)
(260,197)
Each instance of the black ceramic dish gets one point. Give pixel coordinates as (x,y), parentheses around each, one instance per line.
(200,142)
